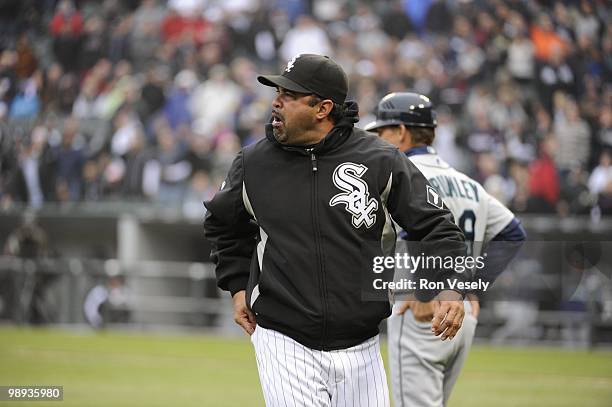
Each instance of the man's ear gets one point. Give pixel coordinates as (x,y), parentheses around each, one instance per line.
(405,135)
(325,108)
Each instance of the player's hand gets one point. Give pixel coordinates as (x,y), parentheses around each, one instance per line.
(422,311)
(403,307)
(242,315)
(448,314)
(473,299)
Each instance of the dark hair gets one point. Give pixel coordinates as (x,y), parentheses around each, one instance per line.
(422,135)
(337,112)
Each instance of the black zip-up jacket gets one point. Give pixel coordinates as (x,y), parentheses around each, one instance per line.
(298,230)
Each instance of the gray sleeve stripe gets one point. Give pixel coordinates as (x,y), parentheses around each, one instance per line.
(247,202)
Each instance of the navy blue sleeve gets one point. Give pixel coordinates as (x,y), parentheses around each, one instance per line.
(501,250)
(513,232)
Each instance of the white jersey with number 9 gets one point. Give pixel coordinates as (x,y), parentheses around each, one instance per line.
(477,213)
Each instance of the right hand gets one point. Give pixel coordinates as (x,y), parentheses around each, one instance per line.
(242,314)
(422,311)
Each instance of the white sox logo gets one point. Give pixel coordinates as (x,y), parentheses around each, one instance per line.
(291,63)
(356,199)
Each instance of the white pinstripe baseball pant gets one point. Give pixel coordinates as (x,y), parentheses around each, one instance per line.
(293,375)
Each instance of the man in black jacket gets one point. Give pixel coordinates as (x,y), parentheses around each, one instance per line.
(295,231)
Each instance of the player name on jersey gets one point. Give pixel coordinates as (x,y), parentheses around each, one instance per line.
(451,187)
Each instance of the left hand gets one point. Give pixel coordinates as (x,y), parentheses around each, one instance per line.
(448,314)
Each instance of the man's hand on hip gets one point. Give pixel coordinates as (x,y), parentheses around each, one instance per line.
(242,315)
(422,311)
(448,314)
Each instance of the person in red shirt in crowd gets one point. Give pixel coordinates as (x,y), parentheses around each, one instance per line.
(543,179)
(67,29)
(67,20)
(180,28)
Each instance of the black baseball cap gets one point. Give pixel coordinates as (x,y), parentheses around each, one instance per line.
(311,73)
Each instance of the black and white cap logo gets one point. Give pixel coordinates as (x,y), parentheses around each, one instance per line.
(291,63)
(434,198)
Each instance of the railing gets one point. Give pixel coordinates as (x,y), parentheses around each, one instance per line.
(155,292)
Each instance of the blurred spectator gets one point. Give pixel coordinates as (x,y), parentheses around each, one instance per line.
(119,41)
(546,41)
(34,178)
(214,102)
(417,12)
(95,42)
(605,127)
(145,35)
(26,104)
(176,110)
(602,174)
(30,241)
(27,62)
(87,104)
(200,154)
(370,39)
(439,19)
(306,37)
(187,27)
(108,303)
(484,138)
(186,7)
(544,186)
(200,189)
(120,89)
(92,181)
(127,129)
(152,96)
(573,135)
(575,196)
(8,77)
(586,22)
(518,193)
(67,92)
(445,141)
(67,30)
(165,175)
(396,23)
(507,110)
(50,91)
(521,56)
(135,160)
(70,160)
(554,76)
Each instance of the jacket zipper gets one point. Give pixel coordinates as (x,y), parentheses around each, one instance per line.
(322,284)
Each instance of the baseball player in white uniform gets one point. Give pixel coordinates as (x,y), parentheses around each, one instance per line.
(423,368)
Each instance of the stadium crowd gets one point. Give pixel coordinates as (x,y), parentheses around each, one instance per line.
(150,100)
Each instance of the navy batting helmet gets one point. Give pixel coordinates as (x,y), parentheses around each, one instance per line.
(409,109)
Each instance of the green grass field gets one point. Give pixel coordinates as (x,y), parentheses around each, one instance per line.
(121,369)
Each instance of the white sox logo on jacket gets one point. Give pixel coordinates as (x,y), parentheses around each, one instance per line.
(356,199)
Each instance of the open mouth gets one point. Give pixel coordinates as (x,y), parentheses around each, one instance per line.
(277,120)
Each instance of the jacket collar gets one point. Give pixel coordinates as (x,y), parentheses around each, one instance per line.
(420,150)
(336,136)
